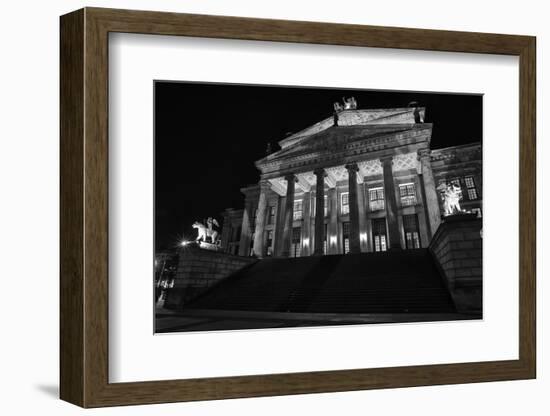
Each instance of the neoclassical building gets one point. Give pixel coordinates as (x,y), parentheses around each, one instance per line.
(360,181)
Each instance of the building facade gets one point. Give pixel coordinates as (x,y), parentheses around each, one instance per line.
(361,181)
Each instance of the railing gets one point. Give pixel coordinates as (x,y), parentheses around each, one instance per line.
(408,201)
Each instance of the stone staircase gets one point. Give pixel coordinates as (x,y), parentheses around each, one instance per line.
(390,282)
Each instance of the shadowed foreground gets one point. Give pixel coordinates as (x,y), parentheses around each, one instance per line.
(401,286)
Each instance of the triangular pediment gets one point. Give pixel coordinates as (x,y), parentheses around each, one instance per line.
(358,118)
(334,138)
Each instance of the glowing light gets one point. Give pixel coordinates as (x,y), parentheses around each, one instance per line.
(333,240)
(184,243)
(306,242)
(363,237)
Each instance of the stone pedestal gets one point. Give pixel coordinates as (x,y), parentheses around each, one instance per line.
(457,248)
(198,270)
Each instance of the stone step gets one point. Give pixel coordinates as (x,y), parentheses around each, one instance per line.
(356,283)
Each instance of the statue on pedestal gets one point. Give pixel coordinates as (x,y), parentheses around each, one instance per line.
(349,104)
(451,195)
(207,230)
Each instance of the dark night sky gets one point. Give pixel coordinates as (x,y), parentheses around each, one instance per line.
(207,137)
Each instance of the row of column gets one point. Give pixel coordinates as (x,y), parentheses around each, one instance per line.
(356,217)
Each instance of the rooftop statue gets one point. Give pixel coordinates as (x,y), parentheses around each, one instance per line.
(207,230)
(418,116)
(349,104)
(451,194)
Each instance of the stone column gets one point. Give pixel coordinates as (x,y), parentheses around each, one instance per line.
(333,246)
(431,199)
(354,240)
(279,225)
(363,233)
(368,226)
(422,213)
(306,232)
(259,238)
(391,204)
(289,214)
(244,242)
(319,211)
(227,230)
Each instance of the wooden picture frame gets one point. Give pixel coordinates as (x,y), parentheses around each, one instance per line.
(84,207)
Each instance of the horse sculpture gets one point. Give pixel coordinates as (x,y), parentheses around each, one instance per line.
(207,230)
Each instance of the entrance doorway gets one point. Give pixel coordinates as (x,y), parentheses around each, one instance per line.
(379,234)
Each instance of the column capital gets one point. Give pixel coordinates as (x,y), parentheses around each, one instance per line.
(289,177)
(352,167)
(386,159)
(320,172)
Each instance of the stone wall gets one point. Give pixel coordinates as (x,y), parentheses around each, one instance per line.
(198,270)
(457,249)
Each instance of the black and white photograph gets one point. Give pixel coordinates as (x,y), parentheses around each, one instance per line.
(285,206)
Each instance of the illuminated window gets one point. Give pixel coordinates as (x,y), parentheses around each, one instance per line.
(407,192)
(410,226)
(344,203)
(379,234)
(271,215)
(345,235)
(471,187)
(296,245)
(298,210)
(376,199)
